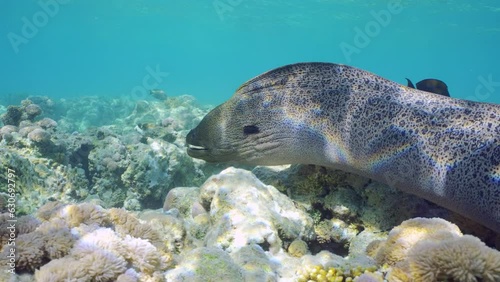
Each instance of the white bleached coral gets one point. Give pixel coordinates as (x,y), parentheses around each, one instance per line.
(246,211)
(102,255)
(144,256)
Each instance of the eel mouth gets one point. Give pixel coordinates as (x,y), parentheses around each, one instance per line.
(196,151)
(196,148)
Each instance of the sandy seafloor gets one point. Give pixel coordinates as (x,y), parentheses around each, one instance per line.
(97,189)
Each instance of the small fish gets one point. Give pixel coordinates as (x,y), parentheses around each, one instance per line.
(158,94)
(431,85)
(146,126)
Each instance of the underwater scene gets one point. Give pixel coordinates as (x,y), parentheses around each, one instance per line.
(236,140)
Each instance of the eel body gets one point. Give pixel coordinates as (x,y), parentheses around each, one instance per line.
(439,148)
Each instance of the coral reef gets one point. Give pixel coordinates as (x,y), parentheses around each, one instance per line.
(118,165)
(12,116)
(89,162)
(15,115)
(423,249)
(241,230)
(85,241)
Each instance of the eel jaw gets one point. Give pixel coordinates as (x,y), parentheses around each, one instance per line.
(194,147)
(196,151)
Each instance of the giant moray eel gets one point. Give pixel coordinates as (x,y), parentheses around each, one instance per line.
(439,148)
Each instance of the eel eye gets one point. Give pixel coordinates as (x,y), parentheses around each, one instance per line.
(250,129)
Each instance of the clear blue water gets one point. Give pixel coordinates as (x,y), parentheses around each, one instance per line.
(208,48)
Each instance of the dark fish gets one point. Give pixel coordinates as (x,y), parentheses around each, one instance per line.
(158,94)
(431,85)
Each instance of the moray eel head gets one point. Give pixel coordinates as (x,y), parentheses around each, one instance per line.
(207,140)
(254,127)
(237,132)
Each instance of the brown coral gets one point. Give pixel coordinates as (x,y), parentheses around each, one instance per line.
(458,259)
(32,111)
(49,241)
(25,224)
(98,265)
(85,213)
(424,249)
(403,237)
(39,136)
(29,252)
(127,224)
(47,123)
(48,210)
(58,239)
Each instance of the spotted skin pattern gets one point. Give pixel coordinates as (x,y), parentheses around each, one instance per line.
(439,148)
